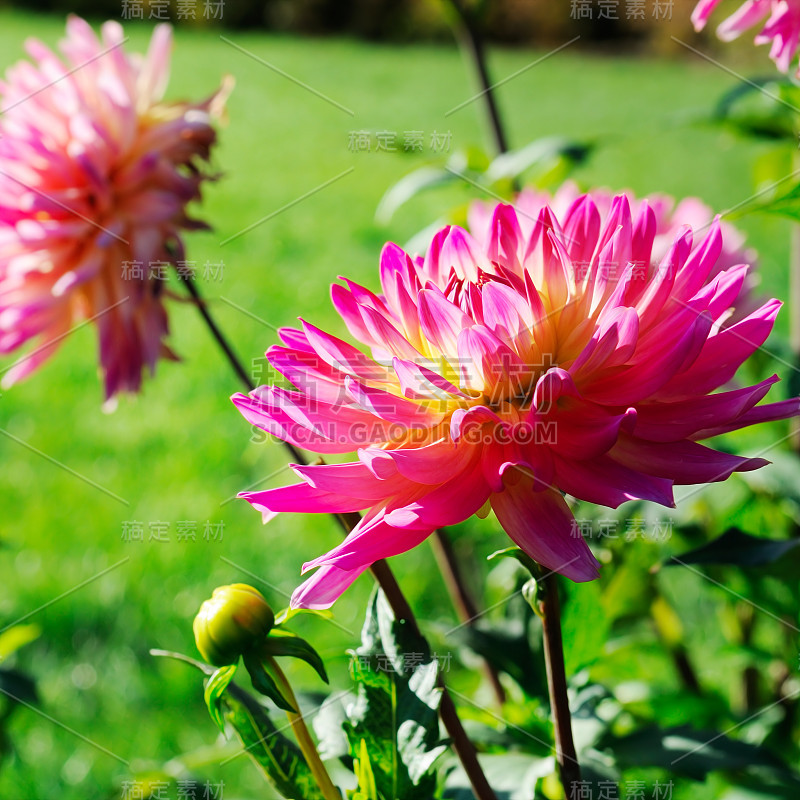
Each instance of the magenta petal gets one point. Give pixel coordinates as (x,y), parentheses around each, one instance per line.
(543,526)
(324,587)
(604,481)
(682,462)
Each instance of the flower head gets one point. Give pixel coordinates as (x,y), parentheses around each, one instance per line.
(236,619)
(96,171)
(549,355)
(782,26)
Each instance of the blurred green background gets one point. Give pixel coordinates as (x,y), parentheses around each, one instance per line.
(180,451)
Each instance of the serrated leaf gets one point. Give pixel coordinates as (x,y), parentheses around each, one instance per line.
(396,707)
(279,759)
(265,683)
(735,547)
(284,643)
(215,688)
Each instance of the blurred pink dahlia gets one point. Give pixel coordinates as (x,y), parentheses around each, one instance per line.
(547,357)
(96,171)
(782,26)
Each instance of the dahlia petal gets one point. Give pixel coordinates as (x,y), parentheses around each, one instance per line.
(581,229)
(505,238)
(343,356)
(682,462)
(723,354)
(441,321)
(302,497)
(461,253)
(665,422)
(542,525)
(702,12)
(392,408)
(420,383)
(604,481)
(771,412)
(447,504)
(370,541)
(324,587)
(743,18)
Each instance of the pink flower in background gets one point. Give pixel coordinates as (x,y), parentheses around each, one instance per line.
(782,27)
(547,355)
(96,171)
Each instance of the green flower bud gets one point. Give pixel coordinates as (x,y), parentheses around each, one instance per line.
(235,619)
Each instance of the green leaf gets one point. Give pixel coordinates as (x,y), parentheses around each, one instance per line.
(16,637)
(265,683)
(518,554)
(511,647)
(284,643)
(286,614)
(408,187)
(513,776)
(735,547)
(685,751)
(584,623)
(367,788)
(215,688)
(540,152)
(395,713)
(763,108)
(16,685)
(279,759)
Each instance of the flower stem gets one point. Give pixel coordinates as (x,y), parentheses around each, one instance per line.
(566,756)
(472,43)
(304,740)
(238,368)
(465,605)
(794,314)
(383,575)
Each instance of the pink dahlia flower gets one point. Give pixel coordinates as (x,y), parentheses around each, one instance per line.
(96,171)
(551,356)
(782,26)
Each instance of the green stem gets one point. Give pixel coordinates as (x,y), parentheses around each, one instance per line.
(304,740)
(566,756)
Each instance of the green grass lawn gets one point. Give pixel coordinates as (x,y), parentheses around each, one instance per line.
(180,450)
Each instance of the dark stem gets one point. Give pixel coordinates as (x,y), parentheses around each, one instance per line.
(566,756)
(238,368)
(794,316)
(465,606)
(471,41)
(382,574)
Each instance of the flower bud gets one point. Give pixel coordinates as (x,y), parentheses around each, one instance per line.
(235,619)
